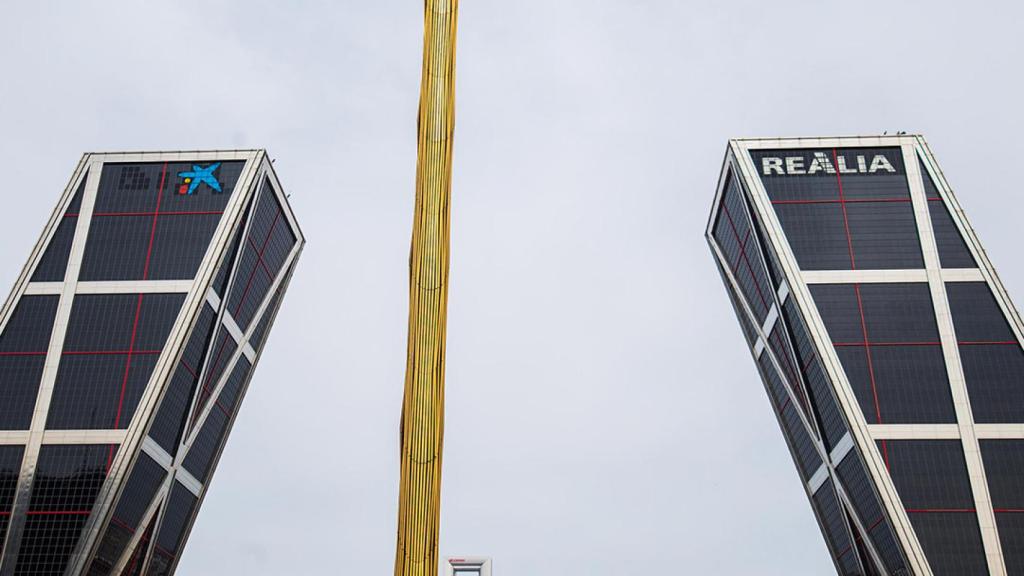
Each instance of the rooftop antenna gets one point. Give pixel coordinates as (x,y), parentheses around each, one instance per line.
(422,427)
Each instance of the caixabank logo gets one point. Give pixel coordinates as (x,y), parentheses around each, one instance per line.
(192,179)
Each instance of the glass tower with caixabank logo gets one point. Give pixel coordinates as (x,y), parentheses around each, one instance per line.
(890,351)
(126,348)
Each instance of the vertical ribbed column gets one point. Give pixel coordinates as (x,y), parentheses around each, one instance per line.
(422,427)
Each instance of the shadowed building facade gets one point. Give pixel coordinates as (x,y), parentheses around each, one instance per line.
(126,347)
(889,349)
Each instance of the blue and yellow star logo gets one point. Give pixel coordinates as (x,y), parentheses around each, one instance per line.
(199,175)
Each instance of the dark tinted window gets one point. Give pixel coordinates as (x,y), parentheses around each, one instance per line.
(28,330)
(779,343)
(931,479)
(951,541)
(221,356)
(748,329)
(1011,537)
(203,452)
(10,467)
(227,262)
(953,252)
(172,529)
(137,559)
(884,235)
(117,248)
(976,314)
(112,345)
(170,417)
(736,239)
(834,525)
(930,474)
(54,261)
(67,480)
(200,456)
(264,251)
(887,340)
(150,222)
(992,360)
(232,391)
(23,346)
(774,267)
(843,208)
(259,333)
(817,235)
(179,244)
(98,391)
(1004,468)
(826,409)
(865,502)
(797,436)
(995,382)
(143,482)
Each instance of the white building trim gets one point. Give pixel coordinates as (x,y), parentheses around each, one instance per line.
(951,353)
(847,401)
(45,394)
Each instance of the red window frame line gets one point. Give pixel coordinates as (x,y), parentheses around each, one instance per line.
(842,203)
(871,365)
(259,258)
(924,343)
(856,536)
(245,294)
(964,510)
(138,311)
(743,255)
(798,384)
(86,353)
(179,213)
(209,375)
(164,552)
(205,388)
(140,549)
(58,512)
(849,201)
(122,524)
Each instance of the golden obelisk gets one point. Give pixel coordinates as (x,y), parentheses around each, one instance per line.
(422,429)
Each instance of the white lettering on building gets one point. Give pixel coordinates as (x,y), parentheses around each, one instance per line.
(795,165)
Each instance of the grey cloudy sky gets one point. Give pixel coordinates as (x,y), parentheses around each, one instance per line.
(603,415)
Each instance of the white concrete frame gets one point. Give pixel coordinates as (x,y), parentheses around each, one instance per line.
(827,469)
(244,348)
(133,440)
(830,460)
(762,333)
(843,392)
(965,429)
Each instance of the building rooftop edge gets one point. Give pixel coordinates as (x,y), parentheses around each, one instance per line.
(191,151)
(833,137)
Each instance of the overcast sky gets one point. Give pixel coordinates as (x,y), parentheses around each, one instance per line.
(604,416)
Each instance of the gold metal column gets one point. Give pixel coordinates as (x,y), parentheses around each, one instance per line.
(422,430)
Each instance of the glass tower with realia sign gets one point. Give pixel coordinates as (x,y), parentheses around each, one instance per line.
(126,347)
(889,349)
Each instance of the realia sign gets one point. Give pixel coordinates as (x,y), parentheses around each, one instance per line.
(825,163)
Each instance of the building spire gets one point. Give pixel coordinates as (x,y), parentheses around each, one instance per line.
(422,427)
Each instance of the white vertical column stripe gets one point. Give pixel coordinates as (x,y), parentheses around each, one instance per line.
(53,356)
(951,353)
(776,237)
